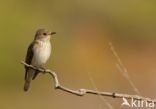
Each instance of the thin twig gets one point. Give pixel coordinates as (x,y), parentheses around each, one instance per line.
(122,68)
(82,92)
(100,97)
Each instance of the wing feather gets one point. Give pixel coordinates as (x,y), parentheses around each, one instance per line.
(29,57)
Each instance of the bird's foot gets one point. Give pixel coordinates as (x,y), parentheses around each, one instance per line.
(40,68)
(44,70)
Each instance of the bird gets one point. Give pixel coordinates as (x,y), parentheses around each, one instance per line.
(38,53)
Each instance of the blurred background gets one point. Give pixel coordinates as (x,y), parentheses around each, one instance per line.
(81,56)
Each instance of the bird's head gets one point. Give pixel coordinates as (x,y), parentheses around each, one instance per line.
(43,34)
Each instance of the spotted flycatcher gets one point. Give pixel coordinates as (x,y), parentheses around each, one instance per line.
(37,54)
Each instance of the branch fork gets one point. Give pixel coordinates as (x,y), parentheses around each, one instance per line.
(82,92)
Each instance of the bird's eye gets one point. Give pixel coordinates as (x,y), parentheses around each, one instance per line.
(45,34)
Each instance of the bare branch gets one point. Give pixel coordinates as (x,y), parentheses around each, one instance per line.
(122,68)
(82,92)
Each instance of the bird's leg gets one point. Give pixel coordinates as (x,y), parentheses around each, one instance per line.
(44,70)
(40,68)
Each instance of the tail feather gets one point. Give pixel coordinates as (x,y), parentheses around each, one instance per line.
(28,77)
(26,85)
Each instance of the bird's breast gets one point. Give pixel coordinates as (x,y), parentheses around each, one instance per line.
(42,53)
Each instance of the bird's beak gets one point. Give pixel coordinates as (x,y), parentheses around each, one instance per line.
(52,33)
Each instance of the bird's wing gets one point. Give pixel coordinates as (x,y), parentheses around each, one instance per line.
(29,57)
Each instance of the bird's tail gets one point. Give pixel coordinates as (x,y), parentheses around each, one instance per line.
(28,77)
(26,85)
